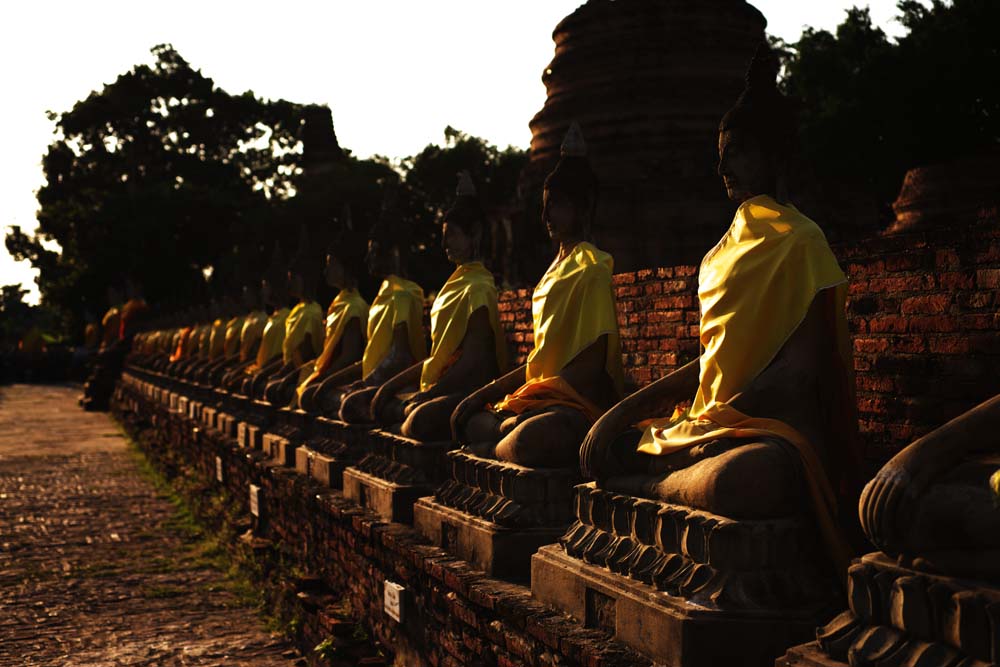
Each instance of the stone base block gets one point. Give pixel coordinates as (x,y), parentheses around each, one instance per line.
(391,501)
(226,424)
(494,549)
(670,630)
(327,470)
(249,436)
(208,415)
(280,449)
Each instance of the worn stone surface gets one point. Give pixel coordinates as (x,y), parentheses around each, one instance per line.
(91,572)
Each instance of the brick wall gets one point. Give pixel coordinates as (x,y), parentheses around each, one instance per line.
(923,310)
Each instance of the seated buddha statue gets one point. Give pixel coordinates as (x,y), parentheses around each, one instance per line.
(346,317)
(276,299)
(304,332)
(467,344)
(537,414)
(248,343)
(936,505)
(765,417)
(395,336)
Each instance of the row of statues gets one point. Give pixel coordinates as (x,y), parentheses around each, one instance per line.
(760,426)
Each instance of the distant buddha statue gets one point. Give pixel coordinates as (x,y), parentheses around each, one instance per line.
(303,328)
(467,344)
(346,316)
(764,419)
(274,295)
(538,414)
(395,336)
(936,504)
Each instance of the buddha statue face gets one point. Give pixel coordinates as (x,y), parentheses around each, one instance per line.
(382,258)
(334,272)
(561,217)
(459,245)
(746,168)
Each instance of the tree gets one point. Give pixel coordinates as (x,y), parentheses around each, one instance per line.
(152,179)
(871,109)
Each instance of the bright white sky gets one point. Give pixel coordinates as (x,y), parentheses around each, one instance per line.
(394,72)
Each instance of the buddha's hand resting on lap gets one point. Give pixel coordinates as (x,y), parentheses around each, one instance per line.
(594,452)
(464,411)
(886,506)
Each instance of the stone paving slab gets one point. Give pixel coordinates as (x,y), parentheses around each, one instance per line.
(91,571)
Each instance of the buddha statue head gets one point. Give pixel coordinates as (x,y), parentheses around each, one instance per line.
(344,260)
(462,228)
(274,284)
(386,250)
(757,135)
(303,272)
(569,197)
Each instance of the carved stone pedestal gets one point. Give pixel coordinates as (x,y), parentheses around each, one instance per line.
(396,473)
(495,514)
(334,446)
(900,616)
(686,587)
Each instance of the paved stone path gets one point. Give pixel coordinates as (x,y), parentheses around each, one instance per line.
(94,567)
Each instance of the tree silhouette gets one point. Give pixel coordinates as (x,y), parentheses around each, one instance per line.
(872,108)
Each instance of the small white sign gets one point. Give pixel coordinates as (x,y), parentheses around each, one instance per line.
(392,600)
(218,468)
(255,500)
(241,434)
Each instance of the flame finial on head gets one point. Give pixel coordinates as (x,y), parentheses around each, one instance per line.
(573,144)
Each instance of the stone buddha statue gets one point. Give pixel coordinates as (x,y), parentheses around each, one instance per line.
(537,414)
(346,317)
(763,422)
(468,348)
(248,341)
(304,330)
(276,299)
(395,336)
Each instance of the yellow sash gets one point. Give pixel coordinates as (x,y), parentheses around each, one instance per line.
(204,340)
(271,340)
(755,288)
(469,288)
(572,306)
(305,318)
(346,306)
(234,328)
(399,301)
(253,329)
(217,339)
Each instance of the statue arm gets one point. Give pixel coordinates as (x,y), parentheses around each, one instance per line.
(341,378)
(489,393)
(394,385)
(656,399)
(399,357)
(887,500)
(476,363)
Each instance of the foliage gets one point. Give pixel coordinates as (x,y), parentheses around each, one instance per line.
(162,178)
(871,108)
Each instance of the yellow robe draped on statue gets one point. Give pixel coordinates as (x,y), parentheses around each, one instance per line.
(399,301)
(346,306)
(217,339)
(231,340)
(306,318)
(468,289)
(271,341)
(250,334)
(755,288)
(205,340)
(571,308)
